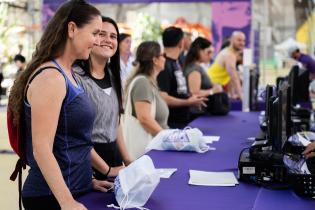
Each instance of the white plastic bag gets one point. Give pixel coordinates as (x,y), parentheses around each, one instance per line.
(189,139)
(135,183)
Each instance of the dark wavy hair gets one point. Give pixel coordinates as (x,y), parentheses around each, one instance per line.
(123,36)
(50,46)
(171,36)
(113,66)
(146,51)
(197,45)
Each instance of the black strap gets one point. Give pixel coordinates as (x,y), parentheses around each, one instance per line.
(37,73)
(20,189)
(20,164)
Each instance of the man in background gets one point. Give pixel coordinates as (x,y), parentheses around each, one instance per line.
(172,82)
(223,71)
(20,63)
(307,61)
(187,40)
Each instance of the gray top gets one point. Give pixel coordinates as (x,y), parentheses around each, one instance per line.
(205,80)
(106,107)
(144,90)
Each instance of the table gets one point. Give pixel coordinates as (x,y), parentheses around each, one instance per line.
(176,194)
(236,105)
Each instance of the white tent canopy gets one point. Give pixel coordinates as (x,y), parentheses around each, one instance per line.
(288,44)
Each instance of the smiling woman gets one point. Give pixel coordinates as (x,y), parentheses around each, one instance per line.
(100,77)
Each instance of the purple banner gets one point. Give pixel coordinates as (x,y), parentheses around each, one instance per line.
(139,1)
(50,6)
(125,1)
(228,16)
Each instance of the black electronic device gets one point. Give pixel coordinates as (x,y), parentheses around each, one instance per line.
(273,120)
(284,126)
(267,156)
(262,135)
(253,89)
(269,94)
(298,79)
(263,171)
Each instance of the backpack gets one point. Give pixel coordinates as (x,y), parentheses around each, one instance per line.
(218,104)
(16,133)
(16,141)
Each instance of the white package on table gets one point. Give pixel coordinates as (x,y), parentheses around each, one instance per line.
(205,178)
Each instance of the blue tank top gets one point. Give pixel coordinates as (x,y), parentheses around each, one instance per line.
(72,144)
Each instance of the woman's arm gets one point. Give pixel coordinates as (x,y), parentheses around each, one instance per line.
(194,84)
(99,164)
(102,185)
(143,113)
(122,147)
(193,100)
(45,95)
(230,65)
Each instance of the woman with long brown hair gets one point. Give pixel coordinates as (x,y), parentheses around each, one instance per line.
(57,113)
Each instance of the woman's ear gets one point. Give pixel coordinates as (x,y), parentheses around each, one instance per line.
(155,60)
(72,27)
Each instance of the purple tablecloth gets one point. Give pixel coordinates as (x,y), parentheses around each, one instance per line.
(236,105)
(176,194)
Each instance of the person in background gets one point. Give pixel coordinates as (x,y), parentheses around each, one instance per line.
(20,63)
(187,42)
(307,61)
(172,82)
(126,57)
(223,71)
(1,79)
(150,62)
(57,114)
(198,80)
(100,78)
(206,65)
(20,46)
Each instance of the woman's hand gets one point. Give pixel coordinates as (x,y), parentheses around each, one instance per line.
(73,205)
(217,88)
(197,101)
(127,162)
(114,171)
(101,185)
(310,150)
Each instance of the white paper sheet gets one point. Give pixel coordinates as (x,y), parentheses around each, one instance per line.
(211,139)
(205,178)
(166,172)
